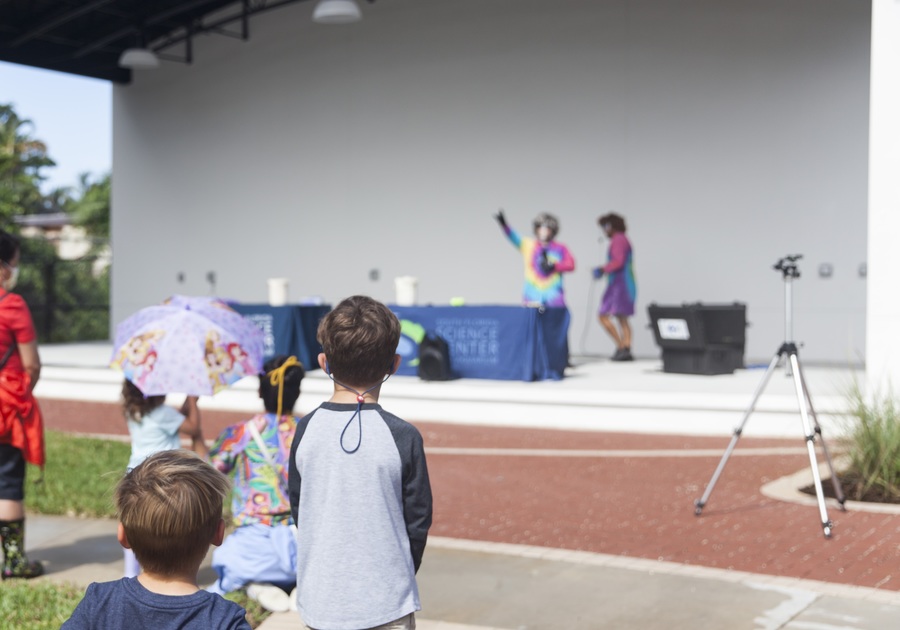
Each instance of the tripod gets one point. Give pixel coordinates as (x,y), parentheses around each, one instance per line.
(811,429)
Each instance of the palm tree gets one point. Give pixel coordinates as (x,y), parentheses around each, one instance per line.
(89,206)
(21,160)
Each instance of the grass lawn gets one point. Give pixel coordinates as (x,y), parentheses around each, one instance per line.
(79,477)
(29,605)
(45,605)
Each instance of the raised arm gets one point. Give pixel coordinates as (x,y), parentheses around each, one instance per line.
(510,233)
(191,426)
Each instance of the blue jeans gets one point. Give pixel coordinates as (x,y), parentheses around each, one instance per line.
(256,553)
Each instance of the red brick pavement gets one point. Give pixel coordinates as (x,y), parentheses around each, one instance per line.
(632,506)
(643,506)
(75,416)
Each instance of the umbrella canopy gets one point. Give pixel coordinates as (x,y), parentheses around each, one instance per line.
(187,345)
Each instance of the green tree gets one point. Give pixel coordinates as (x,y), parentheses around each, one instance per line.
(57,199)
(74,294)
(89,208)
(21,159)
(69,299)
(84,305)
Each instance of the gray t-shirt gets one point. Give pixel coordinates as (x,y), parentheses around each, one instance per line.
(361,498)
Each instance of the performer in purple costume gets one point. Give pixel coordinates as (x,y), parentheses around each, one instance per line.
(621,290)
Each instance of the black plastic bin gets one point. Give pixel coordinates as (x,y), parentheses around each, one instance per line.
(700,338)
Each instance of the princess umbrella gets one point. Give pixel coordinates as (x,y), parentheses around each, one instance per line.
(187,345)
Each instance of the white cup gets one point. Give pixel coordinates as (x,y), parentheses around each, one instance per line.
(405,288)
(278,291)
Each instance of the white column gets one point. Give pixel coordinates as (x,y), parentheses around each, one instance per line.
(883,290)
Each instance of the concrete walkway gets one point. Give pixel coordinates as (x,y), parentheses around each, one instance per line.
(471,585)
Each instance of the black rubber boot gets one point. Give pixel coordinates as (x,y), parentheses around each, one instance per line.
(15,564)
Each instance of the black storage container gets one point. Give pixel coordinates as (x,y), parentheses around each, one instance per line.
(700,338)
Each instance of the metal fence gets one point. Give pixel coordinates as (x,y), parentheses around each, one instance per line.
(69,299)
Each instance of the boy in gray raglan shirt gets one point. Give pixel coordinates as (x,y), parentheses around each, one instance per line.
(358,484)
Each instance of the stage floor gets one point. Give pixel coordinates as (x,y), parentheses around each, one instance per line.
(596,394)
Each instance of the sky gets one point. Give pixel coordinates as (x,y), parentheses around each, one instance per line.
(72,115)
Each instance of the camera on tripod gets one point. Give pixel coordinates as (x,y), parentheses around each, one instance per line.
(788,266)
(812,431)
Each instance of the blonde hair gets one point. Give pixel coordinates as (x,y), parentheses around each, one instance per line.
(359,338)
(170,507)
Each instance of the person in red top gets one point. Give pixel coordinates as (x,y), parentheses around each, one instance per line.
(21,424)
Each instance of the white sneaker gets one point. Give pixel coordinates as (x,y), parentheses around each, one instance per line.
(293,602)
(269,597)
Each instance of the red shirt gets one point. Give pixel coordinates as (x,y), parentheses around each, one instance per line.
(21,423)
(16,326)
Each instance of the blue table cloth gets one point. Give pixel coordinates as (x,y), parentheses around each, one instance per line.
(515,343)
(288,330)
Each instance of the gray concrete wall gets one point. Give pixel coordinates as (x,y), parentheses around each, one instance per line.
(728,133)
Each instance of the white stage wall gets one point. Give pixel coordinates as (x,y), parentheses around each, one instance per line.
(727,132)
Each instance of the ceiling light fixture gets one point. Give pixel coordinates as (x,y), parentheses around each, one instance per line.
(336,12)
(135,58)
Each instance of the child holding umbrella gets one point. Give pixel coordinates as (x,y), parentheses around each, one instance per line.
(155,427)
(188,345)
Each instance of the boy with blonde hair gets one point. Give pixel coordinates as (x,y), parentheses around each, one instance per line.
(358,484)
(170,512)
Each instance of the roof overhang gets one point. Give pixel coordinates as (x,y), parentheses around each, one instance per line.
(86,38)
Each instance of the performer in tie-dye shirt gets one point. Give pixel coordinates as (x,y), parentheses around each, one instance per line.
(262,549)
(545,260)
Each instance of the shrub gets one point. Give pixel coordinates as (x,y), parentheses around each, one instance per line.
(873,447)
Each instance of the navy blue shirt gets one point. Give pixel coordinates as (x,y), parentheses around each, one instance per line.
(126,603)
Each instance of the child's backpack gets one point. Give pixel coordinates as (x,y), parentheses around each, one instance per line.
(434,359)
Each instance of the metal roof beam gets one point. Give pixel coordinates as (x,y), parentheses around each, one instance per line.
(215,26)
(59,20)
(149,21)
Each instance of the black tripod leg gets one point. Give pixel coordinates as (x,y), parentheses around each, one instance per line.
(835,482)
(810,442)
(701,502)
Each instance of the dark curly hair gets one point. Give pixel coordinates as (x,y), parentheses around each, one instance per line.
(614,221)
(9,245)
(290,387)
(136,404)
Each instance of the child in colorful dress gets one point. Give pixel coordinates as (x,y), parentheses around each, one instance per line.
(261,553)
(545,260)
(155,427)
